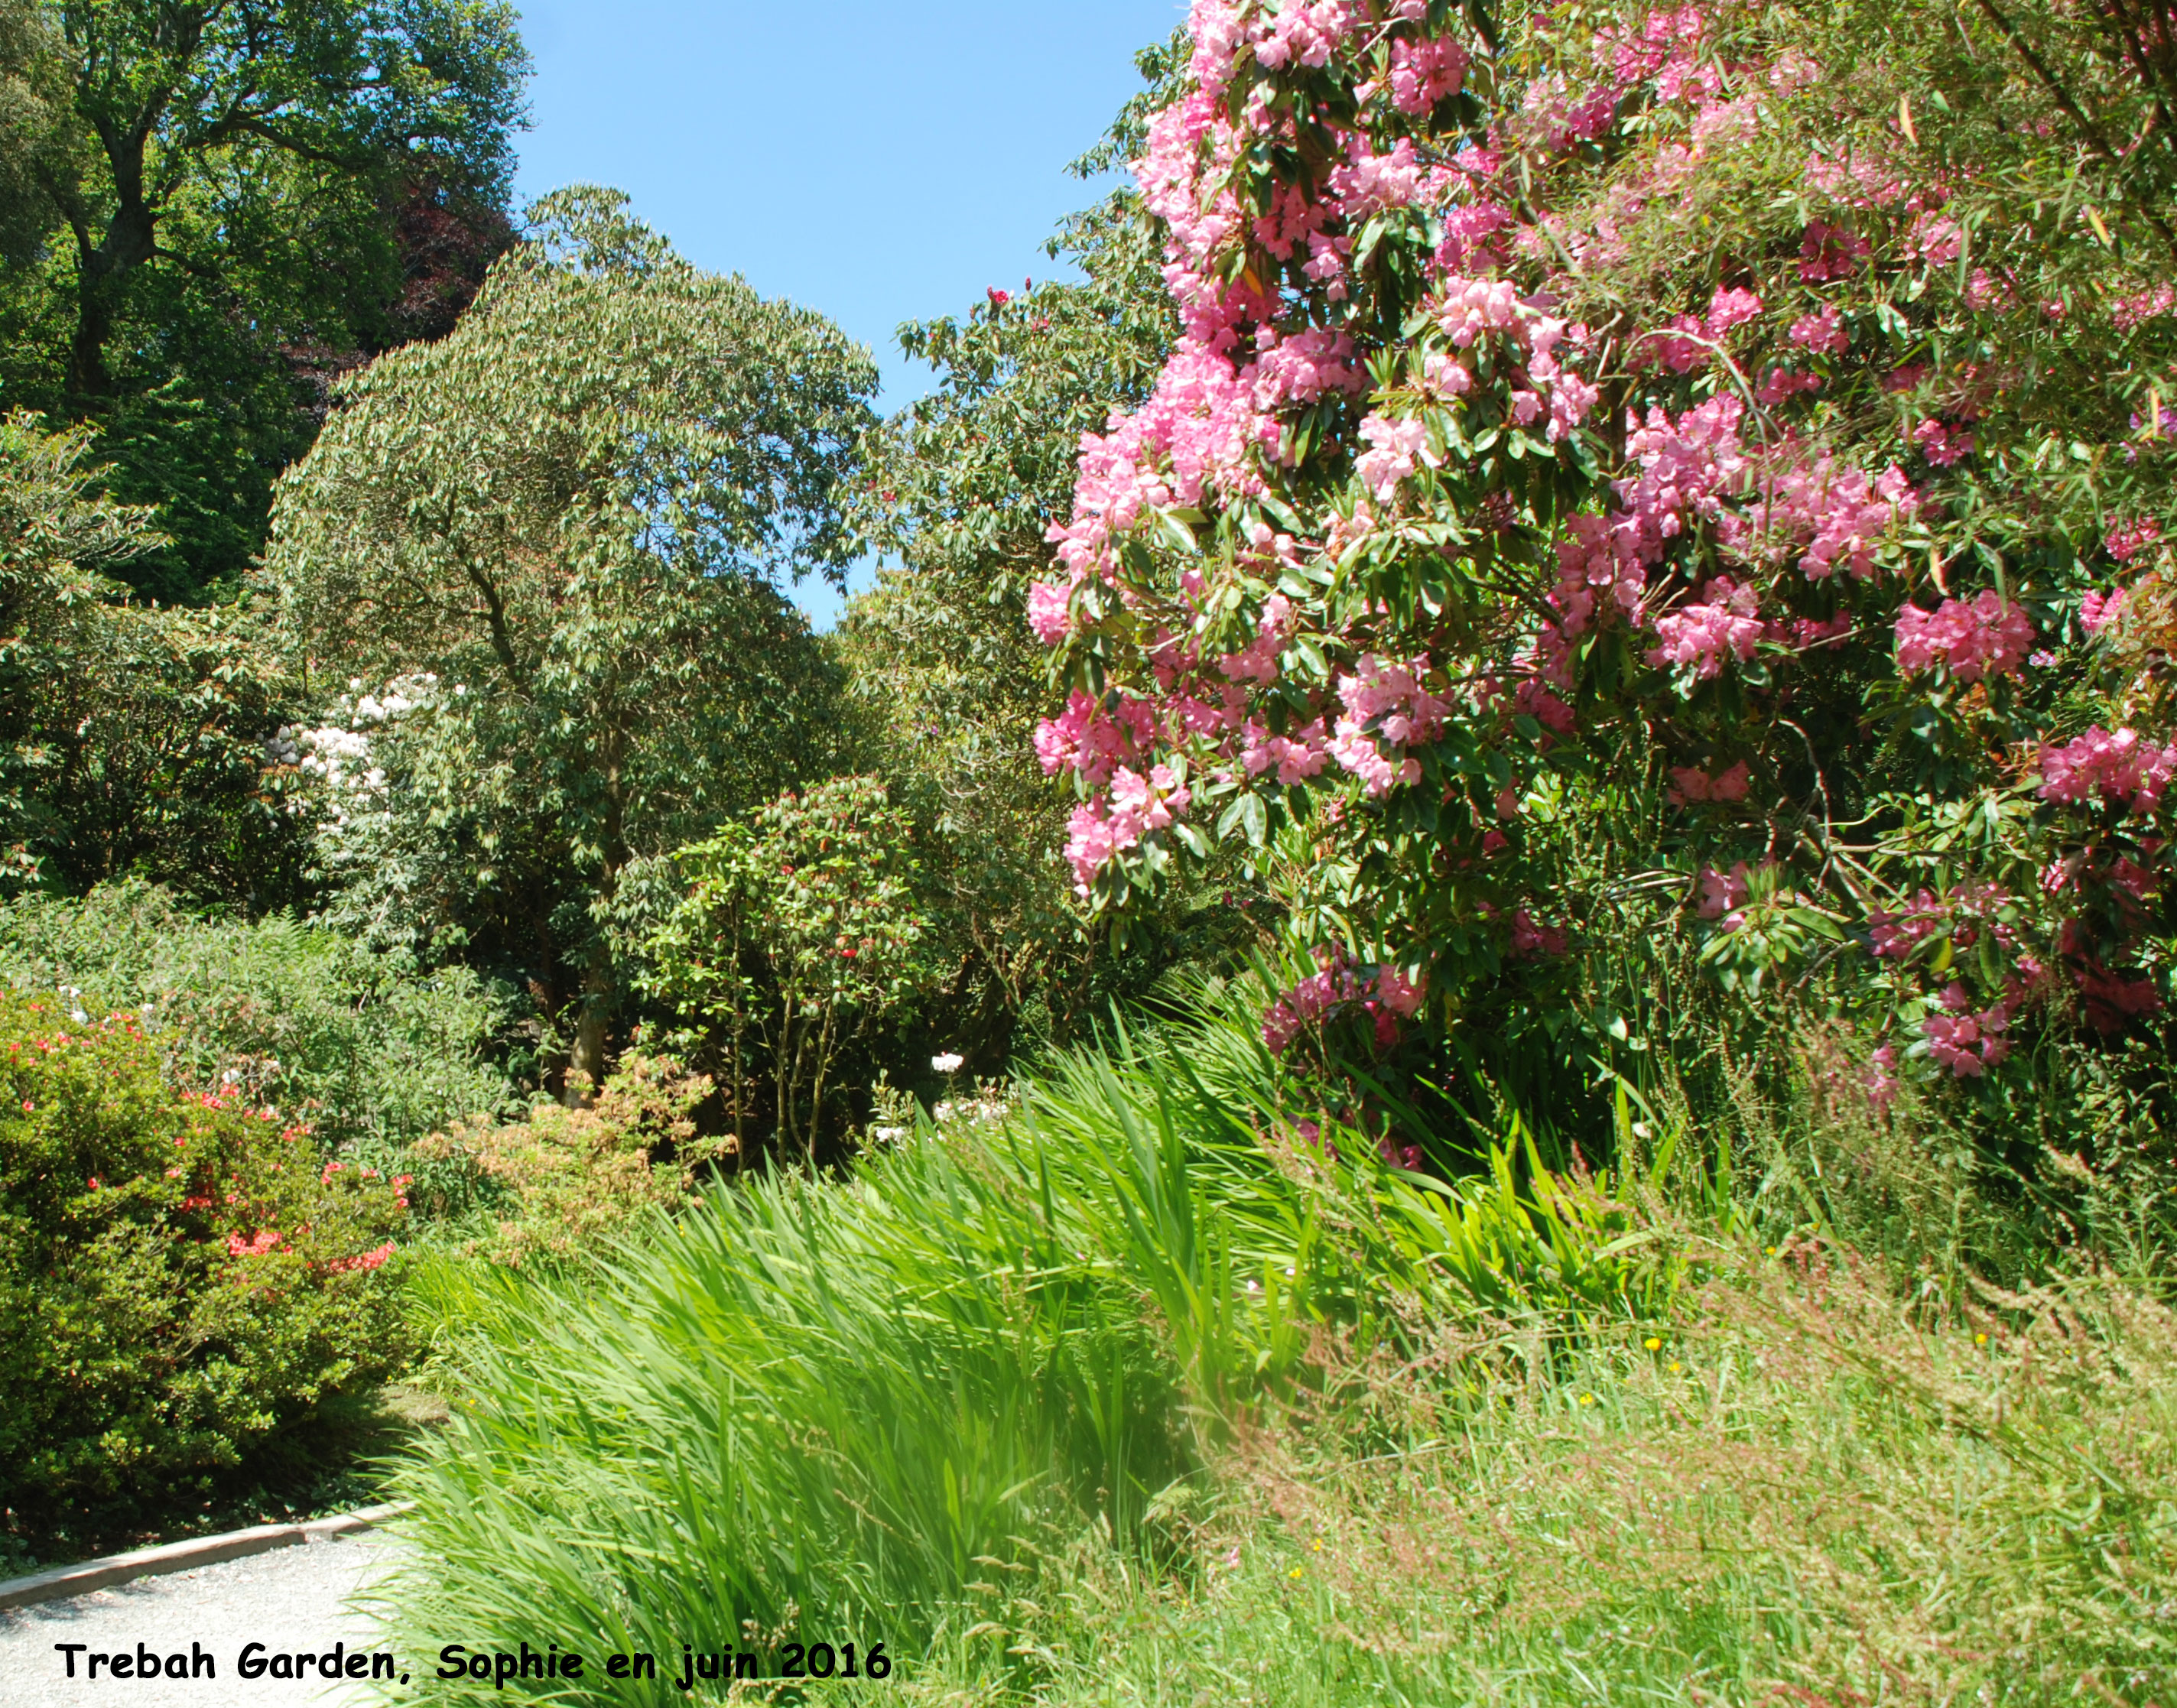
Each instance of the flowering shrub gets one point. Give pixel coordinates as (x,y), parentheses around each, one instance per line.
(1683,419)
(800,924)
(577,1177)
(181,1273)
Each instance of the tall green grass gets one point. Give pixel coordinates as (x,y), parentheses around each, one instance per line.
(826,1410)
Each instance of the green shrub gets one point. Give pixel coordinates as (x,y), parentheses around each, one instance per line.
(359,1043)
(180,1274)
(559,1186)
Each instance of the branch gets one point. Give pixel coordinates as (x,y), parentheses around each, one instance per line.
(2062,96)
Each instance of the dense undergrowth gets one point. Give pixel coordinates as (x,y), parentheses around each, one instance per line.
(1134,1393)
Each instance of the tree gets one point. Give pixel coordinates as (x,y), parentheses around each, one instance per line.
(564,529)
(32,92)
(800,925)
(132,741)
(963,485)
(229,180)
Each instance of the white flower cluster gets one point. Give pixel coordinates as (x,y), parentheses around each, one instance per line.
(338,753)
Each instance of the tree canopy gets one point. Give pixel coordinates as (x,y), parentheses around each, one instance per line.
(565,528)
(221,200)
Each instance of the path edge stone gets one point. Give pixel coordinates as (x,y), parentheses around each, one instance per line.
(64,1581)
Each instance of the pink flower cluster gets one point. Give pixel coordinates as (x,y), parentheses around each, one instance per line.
(1984,636)
(1689,783)
(1781,385)
(1531,941)
(1390,996)
(1424,73)
(1050,611)
(1942,445)
(1968,1044)
(1691,342)
(1093,741)
(1725,623)
(1723,894)
(366,1260)
(1829,251)
(1101,827)
(2097,611)
(1841,513)
(1386,706)
(1960,915)
(2125,542)
(1258,662)
(1394,448)
(2114,767)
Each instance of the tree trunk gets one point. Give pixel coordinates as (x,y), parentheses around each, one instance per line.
(783,1073)
(102,269)
(816,1101)
(740,1027)
(585,1061)
(586,1068)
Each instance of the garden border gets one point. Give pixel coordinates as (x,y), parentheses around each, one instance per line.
(63,1581)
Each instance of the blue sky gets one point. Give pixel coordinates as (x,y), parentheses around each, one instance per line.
(882,162)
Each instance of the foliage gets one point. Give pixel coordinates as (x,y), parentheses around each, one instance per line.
(1144,1385)
(816,1405)
(182,1274)
(133,738)
(356,1044)
(802,923)
(551,544)
(235,189)
(575,1180)
(1791,1495)
(31,81)
(1376,585)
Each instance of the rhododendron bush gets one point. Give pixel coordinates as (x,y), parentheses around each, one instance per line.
(1692,472)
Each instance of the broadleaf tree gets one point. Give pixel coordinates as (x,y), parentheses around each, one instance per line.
(227,190)
(561,535)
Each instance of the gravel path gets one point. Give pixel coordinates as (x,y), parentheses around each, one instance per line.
(292,1599)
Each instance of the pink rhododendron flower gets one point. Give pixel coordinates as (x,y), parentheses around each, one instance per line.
(1823,333)
(1984,636)
(1397,992)
(1722,893)
(1841,512)
(1048,611)
(1880,1080)
(1961,916)
(2114,767)
(1942,445)
(1829,251)
(2125,543)
(1423,72)
(1530,941)
(1393,447)
(1781,385)
(1690,783)
(1724,625)
(1967,1044)
(1087,738)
